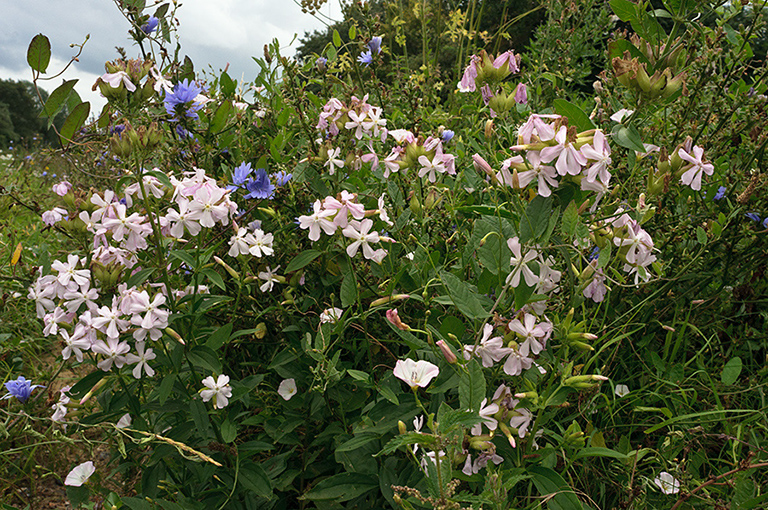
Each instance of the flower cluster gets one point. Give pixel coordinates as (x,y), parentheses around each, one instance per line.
(345,213)
(84,300)
(486,73)
(359,117)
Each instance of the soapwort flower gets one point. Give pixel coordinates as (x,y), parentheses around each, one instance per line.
(417,374)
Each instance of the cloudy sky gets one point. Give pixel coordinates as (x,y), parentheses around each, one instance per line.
(212,32)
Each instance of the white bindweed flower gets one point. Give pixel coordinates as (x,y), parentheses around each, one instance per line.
(219,388)
(80,474)
(331,315)
(415,373)
(621,390)
(287,389)
(667,483)
(124,421)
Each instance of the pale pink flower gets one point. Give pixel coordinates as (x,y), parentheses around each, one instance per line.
(417,374)
(569,160)
(80,473)
(333,162)
(113,351)
(486,413)
(358,231)
(287,389)
(141,360)
(62,188)
(318,220)
(600,153)
(219,388)
(53,216)
(331,315)
(115,79)
(490,350)
(534,335)
(692,176)
(519,264)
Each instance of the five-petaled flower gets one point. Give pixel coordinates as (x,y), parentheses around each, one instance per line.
(219,388)
(287,389)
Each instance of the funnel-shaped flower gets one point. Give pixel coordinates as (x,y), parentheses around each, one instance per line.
(415,373)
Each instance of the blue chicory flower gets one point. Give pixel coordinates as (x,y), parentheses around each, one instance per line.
(239,176)
(365,58)
(765,223)
(447,135)
(20,388)
(753,216)
(182,100)
(281,178)
(321,63)
(375,44)
(151,25)
(260,186)
(594,254)
(720,193)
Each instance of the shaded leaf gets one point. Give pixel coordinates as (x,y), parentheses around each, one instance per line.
(39,53)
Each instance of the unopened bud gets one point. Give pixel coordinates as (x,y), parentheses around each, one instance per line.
(389,299)
(227,267)
(92,391)
(450,357)
(401,427)
(394,318)
(173,334)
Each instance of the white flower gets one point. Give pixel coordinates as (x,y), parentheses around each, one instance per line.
(287,389)
(621,390)
(331,315)
(619,115)
(270,279)
(141,360)
(80,474)
(220,388)
(415,373)
(124,421)
(667,483)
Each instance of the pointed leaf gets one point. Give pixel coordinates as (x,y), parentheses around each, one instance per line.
(39,53)
(74,121)
(56,100)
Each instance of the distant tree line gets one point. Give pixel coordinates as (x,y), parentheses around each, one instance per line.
(20,121)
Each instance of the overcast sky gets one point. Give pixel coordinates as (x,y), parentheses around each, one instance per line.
(212,32)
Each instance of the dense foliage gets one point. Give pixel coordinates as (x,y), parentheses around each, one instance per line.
(379,284)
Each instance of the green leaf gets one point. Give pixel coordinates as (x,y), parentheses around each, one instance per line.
(200,417)
(596,451)
(464,296)
(223,113)
(348,292)
(302,259)
(548,482)
(336,38)
(185,257)
(535,219)
(140,277)
(165,388)
(228,431)
(39,53)
(701,235)
(731,371)
(74,121)
(253,478)
(356,442)
(56,100)
(136,503)
(575,115)
(204,357)
(472,386)
(605,256)
(352,32)
(628,136)
(341,487)
(226,84)
(219,337)
(214,278)
(570,219)
(624,9)
(420,438)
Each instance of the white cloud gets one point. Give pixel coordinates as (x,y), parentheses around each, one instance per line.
(211,33)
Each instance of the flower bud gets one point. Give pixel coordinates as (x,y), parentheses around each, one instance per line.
(173,334)
(389,299)
(394,318)
(450,357)
(401,427)
(227,267)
